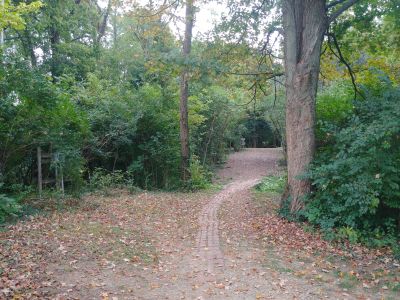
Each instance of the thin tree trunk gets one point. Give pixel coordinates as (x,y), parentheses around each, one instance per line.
(184,125)
(305,22)
(101,27)
(55,57)
(222,131)
(114,24)
(210,133)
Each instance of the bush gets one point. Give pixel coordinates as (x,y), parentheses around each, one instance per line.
(334,103)
(9,207)
(334,107)
(104,181)
(357,182)
(200,178)
(272,184)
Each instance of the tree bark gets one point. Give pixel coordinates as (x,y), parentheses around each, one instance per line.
(305,22)
(184,92)
(114,23)
(101,27)
(55,57)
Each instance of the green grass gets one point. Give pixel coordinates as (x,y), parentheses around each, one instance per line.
(266,194)
(272,185)
(347,280)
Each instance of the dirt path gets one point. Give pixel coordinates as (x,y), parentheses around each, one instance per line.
(206,245)
(244,169)
(201,270)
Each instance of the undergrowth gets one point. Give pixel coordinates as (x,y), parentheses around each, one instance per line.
(272,184)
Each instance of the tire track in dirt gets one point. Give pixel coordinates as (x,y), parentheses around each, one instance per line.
(208,246)
(246,169)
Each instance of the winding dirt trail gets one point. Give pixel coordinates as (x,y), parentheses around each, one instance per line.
(208,245)
(244,169)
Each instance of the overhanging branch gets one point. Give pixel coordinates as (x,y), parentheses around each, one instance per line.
(339,55)
(163,8)
(334,3)
(345,6)
(270,74)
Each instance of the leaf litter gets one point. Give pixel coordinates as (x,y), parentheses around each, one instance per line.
(143,246)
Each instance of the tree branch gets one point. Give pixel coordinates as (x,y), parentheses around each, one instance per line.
(334,3)
(272,75)
(103,25)
(346,5)
(339,55)
(163,8)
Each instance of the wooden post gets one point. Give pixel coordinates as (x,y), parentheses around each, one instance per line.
(39,167)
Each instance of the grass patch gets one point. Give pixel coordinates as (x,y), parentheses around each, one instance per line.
(272,185)
(347,280)
(267,193)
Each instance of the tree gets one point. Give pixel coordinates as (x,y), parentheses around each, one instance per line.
(184,90)
(305,22)
(12,15)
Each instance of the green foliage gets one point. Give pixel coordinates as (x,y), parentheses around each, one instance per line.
(13,15)
(217,122)
(347,233)
(272,184)
(112,117)
(259,133)
(356,181)
(335,103)
(11,197)
(9,207)
(355,174)
(35,112)
(334,107)
(103,180)
(111,104)
(200,178)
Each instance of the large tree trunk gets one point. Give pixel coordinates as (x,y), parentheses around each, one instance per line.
(184,125)
(305,22)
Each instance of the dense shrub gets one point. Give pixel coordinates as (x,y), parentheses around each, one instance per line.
(272,184)
(35,112)
(334,107)
(200,178)
(9,207)
(357,182)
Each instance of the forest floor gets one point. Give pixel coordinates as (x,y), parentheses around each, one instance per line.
(220,244)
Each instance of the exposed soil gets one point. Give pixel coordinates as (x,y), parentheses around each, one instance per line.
(226,244)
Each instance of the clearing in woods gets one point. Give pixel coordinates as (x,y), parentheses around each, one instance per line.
(226,244)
